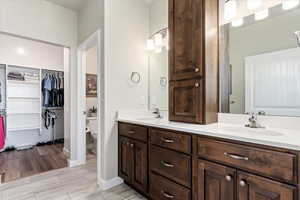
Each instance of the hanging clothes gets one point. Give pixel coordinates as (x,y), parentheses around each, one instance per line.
(2,133)
(53,91)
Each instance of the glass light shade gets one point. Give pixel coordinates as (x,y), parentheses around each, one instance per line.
(230,9)
(150,45)
(253,4)
(158,50)
(238,22)
(261,14)
(289,4)
(158,40)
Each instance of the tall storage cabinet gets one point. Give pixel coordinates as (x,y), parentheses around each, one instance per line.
(193,61)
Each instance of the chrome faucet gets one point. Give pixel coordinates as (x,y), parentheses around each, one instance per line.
(157,113)
(253,121)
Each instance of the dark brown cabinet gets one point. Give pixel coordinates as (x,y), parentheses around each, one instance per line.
(186,30)
(133,163)
(186,101)
(167,164)
(251,187)
(193,61)
(216,182)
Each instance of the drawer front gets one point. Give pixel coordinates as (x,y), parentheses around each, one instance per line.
(133,131)
(171,140)
(266,162)
(161,188)
(173,165)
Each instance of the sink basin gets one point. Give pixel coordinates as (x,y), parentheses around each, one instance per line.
(257,131)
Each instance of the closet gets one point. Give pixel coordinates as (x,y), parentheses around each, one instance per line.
(23,108)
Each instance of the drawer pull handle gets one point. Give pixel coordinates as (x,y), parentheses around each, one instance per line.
(165,194)
(167,140)
(131,132)
(164,163)
(196,69)
(197,85)
(228,178)
(243,183)
(237,157)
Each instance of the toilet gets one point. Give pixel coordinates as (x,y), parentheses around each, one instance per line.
(92,127)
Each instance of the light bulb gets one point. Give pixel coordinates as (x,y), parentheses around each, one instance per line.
(289,4)
(150,45)
(158,50)
(237,23)
(230,9)
(253,4)
(158,40)
(261,15)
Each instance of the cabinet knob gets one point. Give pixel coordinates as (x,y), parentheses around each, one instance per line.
(196,69)
(196,85)
(132,145)
(242,183)
(228,178)
(127,143)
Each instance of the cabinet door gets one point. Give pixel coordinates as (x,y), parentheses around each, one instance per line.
(186,44)
(125,159)
(215,182)
(252,187)
(186,101)
(140,169)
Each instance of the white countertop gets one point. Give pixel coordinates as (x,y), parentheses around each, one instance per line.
(276,137)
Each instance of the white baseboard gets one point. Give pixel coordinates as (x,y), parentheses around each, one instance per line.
(105,185)
(75,163)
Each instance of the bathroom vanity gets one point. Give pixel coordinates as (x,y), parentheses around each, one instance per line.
(212,162)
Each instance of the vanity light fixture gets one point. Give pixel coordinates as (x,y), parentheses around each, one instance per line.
(260,15)
(253,4)
(289,4)
(158,41)
(150,45)
(238,22)
(230,9)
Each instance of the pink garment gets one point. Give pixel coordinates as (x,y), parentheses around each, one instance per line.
(2,133)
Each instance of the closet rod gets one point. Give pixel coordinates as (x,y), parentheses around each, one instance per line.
(50,70)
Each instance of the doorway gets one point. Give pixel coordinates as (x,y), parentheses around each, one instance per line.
(90,100)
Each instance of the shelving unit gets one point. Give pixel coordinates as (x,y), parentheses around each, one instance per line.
(23,109)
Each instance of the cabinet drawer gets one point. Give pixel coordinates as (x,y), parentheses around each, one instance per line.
(276,164)
(173,165)
(133,131)
(171,140)
(161,188)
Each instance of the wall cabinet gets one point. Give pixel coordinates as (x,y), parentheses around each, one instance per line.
(188,166)
(193,61)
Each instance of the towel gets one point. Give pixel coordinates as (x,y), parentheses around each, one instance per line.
(2,133)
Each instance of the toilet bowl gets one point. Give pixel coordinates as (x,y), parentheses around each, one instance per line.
(92,127)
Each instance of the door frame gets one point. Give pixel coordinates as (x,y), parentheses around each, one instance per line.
(91,41)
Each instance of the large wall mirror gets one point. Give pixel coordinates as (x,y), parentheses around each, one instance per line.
(157,45)
(260,57)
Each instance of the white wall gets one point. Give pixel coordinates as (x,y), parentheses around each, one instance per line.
(35,55)
(91,68)
(42,20)
(271,34)
(126,31)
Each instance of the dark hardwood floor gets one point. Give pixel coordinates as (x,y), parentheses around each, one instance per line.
(20,164)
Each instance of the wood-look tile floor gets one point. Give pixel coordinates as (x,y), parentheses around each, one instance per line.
(20,164)
(78,183)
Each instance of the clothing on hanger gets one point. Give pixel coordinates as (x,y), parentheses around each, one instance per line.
(52,89)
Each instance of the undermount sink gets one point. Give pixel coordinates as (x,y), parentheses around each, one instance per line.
(258,131)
